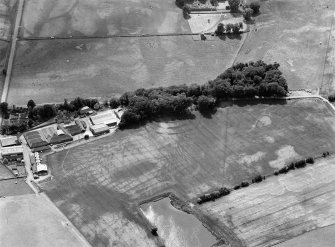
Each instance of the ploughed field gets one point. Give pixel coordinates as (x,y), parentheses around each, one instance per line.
(71,18)
(98,184)
(281,208)
(51,70)
(295,34)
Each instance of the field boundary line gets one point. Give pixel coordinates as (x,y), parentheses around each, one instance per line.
(12,52)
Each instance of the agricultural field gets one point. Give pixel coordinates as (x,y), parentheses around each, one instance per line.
(281,208)
(98,185)
(295,34)
(70,18)
(14,187)
(33,221)
(8,9)
(49,71)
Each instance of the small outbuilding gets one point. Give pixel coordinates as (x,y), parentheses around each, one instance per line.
(9,141)
(99,129)
(42,169)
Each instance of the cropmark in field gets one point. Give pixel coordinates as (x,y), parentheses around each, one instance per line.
(97,185)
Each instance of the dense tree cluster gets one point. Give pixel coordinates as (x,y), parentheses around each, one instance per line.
(243,80)
(234,5)
(229,28)
(255,6)
(77,104)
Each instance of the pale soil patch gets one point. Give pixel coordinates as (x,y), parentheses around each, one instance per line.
(270,139)
(32,221)
(249,159)
(280,207)
(284,154)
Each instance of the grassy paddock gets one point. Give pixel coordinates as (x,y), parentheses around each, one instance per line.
(189,157)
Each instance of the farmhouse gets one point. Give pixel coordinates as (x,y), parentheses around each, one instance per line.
(108,118)
(99,129)
(12,153)
(41,169)
(9,141)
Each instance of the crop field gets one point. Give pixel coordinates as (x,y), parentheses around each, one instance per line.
(65,18)
(98,184)
(5,173)
(8,10)
(14,187)
(49,71)
(33,221)
(281,207)
(295,34)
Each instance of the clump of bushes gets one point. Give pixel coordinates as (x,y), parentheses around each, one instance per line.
(258,179)
(331,97)
(244,184)
(214,195)
(325,154)
(310,160)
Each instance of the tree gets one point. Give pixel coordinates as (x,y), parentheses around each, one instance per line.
(4,109)
(46,112)
(236,28)
(255,6)
(128,118)
(229,27)
(114,103)
(220,29)
(247,14)
(214,2)
(31,104)
(180,3)
(186,11)
(234,4)
(206,104)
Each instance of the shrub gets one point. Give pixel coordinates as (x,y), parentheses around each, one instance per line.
(258,179)
(300,164)
(247,13)
(331,97)
(206,104)
(283,170)
(276,173)
(255,6)
(234,4)
(310,160)
(86,137)
(291,166)
(237,187)
(244,184)
(154,231)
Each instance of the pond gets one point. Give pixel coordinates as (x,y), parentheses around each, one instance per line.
(177,228)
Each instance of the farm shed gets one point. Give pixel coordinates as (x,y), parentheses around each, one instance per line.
(85,110)
(12,153)
(41,149)
(57,139)
(41,169)
(108,118)
(9,141)
(74,129)
(99,129)
(34,139)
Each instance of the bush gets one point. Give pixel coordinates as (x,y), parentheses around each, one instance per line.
(247,13)
(310,160)
(244,184)
(206,104)
(237,187)
(86,137)
(258,179)
(291,166)
(234,4)
(255,6)
(276,173)
(283,170)
(331,97)
(300,164)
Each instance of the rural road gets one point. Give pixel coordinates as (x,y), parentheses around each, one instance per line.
(12,51)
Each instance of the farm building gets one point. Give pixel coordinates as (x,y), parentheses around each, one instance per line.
(74,129)
(99,129)
(108,118)
(35,140)
(41,169)
(12,153)
(41,149)
(9,141)
(57,139)
(85,110)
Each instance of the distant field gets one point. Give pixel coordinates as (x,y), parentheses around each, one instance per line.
(33,221)
(97,183)
(8,10)
(281,207)
(49,71)
(295,34)
(14,187)
(65,18)
(5,173)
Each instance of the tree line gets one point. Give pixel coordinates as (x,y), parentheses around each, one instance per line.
(243,80)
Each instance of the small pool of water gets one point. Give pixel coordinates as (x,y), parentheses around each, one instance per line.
(177,228)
